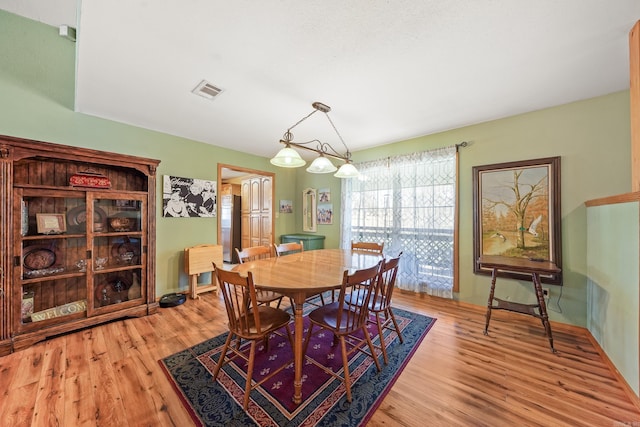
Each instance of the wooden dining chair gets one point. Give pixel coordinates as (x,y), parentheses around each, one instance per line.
(291,248)
(380,302)
(249,321)
(368,247)
(255,253)
(287,248)
(345,317)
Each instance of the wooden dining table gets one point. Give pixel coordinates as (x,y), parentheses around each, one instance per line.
(300,276)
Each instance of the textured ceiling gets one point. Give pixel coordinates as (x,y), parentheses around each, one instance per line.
(390,70)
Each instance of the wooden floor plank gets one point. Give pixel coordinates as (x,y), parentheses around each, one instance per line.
(49,409)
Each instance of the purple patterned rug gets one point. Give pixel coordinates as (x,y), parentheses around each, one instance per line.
(324,402)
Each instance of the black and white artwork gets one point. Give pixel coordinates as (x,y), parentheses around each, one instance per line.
(188,197)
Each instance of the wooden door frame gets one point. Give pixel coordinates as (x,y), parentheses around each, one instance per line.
(248,171)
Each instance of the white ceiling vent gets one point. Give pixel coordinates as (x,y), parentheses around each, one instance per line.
(207,90)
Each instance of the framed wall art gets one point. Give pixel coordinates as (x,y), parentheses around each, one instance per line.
(325,213)
(188,197)
(286,206)
(516,213)
(324,195)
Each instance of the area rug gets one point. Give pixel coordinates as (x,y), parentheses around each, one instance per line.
(324,402)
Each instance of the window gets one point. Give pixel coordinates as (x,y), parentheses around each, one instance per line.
(409,203)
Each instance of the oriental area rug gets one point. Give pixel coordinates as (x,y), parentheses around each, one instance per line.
(324,402)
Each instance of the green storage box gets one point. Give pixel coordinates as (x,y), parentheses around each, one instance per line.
(310,241)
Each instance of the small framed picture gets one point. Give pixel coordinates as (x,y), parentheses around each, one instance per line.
(286,206)
(51,223)
(325,213)
(324,195)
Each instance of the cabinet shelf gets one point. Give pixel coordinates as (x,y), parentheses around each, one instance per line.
(111,269)
(54,236)
(134,234)
(55,276)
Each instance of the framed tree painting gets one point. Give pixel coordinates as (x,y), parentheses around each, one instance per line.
(516,213)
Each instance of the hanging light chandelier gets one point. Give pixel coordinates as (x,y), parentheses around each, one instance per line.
(289,158)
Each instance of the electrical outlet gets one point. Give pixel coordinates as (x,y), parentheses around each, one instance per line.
(545,293)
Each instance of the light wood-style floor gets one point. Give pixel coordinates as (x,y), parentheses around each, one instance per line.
(109,375)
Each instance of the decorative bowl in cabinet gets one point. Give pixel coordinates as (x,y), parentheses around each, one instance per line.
(121,223)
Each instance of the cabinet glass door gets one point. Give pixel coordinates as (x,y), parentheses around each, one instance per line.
(51,257)
(118,249)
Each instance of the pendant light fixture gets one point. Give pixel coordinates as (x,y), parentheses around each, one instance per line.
(289,158)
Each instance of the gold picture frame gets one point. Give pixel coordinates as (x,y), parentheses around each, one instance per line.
(51,223)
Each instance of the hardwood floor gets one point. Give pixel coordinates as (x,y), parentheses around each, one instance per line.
(109,375)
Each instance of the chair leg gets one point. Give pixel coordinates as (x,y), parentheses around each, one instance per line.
(306,341)
(289,335)
(371,348)
(223,354)
(395,324)
(345,365)
(247,388)
(383,344)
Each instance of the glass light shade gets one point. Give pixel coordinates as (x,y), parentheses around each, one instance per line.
(288,158)
(347,171)
(321,165)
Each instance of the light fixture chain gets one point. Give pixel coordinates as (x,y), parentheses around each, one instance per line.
(348,153)
(303,119)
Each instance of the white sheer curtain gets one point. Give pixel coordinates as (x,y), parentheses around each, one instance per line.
(407,202)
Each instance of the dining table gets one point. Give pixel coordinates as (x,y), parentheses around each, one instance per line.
(300,276)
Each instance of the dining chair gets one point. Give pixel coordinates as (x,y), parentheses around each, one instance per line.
(380,302)
(286,248)
(255,253)
(368,247)
(290,248)
(344,318)
(249,321)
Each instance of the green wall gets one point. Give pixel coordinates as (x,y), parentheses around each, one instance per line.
(612,303)
(592,137)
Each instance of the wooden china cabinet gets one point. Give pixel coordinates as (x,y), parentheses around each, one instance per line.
(77,231)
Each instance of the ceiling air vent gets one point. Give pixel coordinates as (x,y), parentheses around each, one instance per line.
(206,90)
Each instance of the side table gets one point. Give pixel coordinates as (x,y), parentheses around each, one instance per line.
(199,259)
(524,266)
